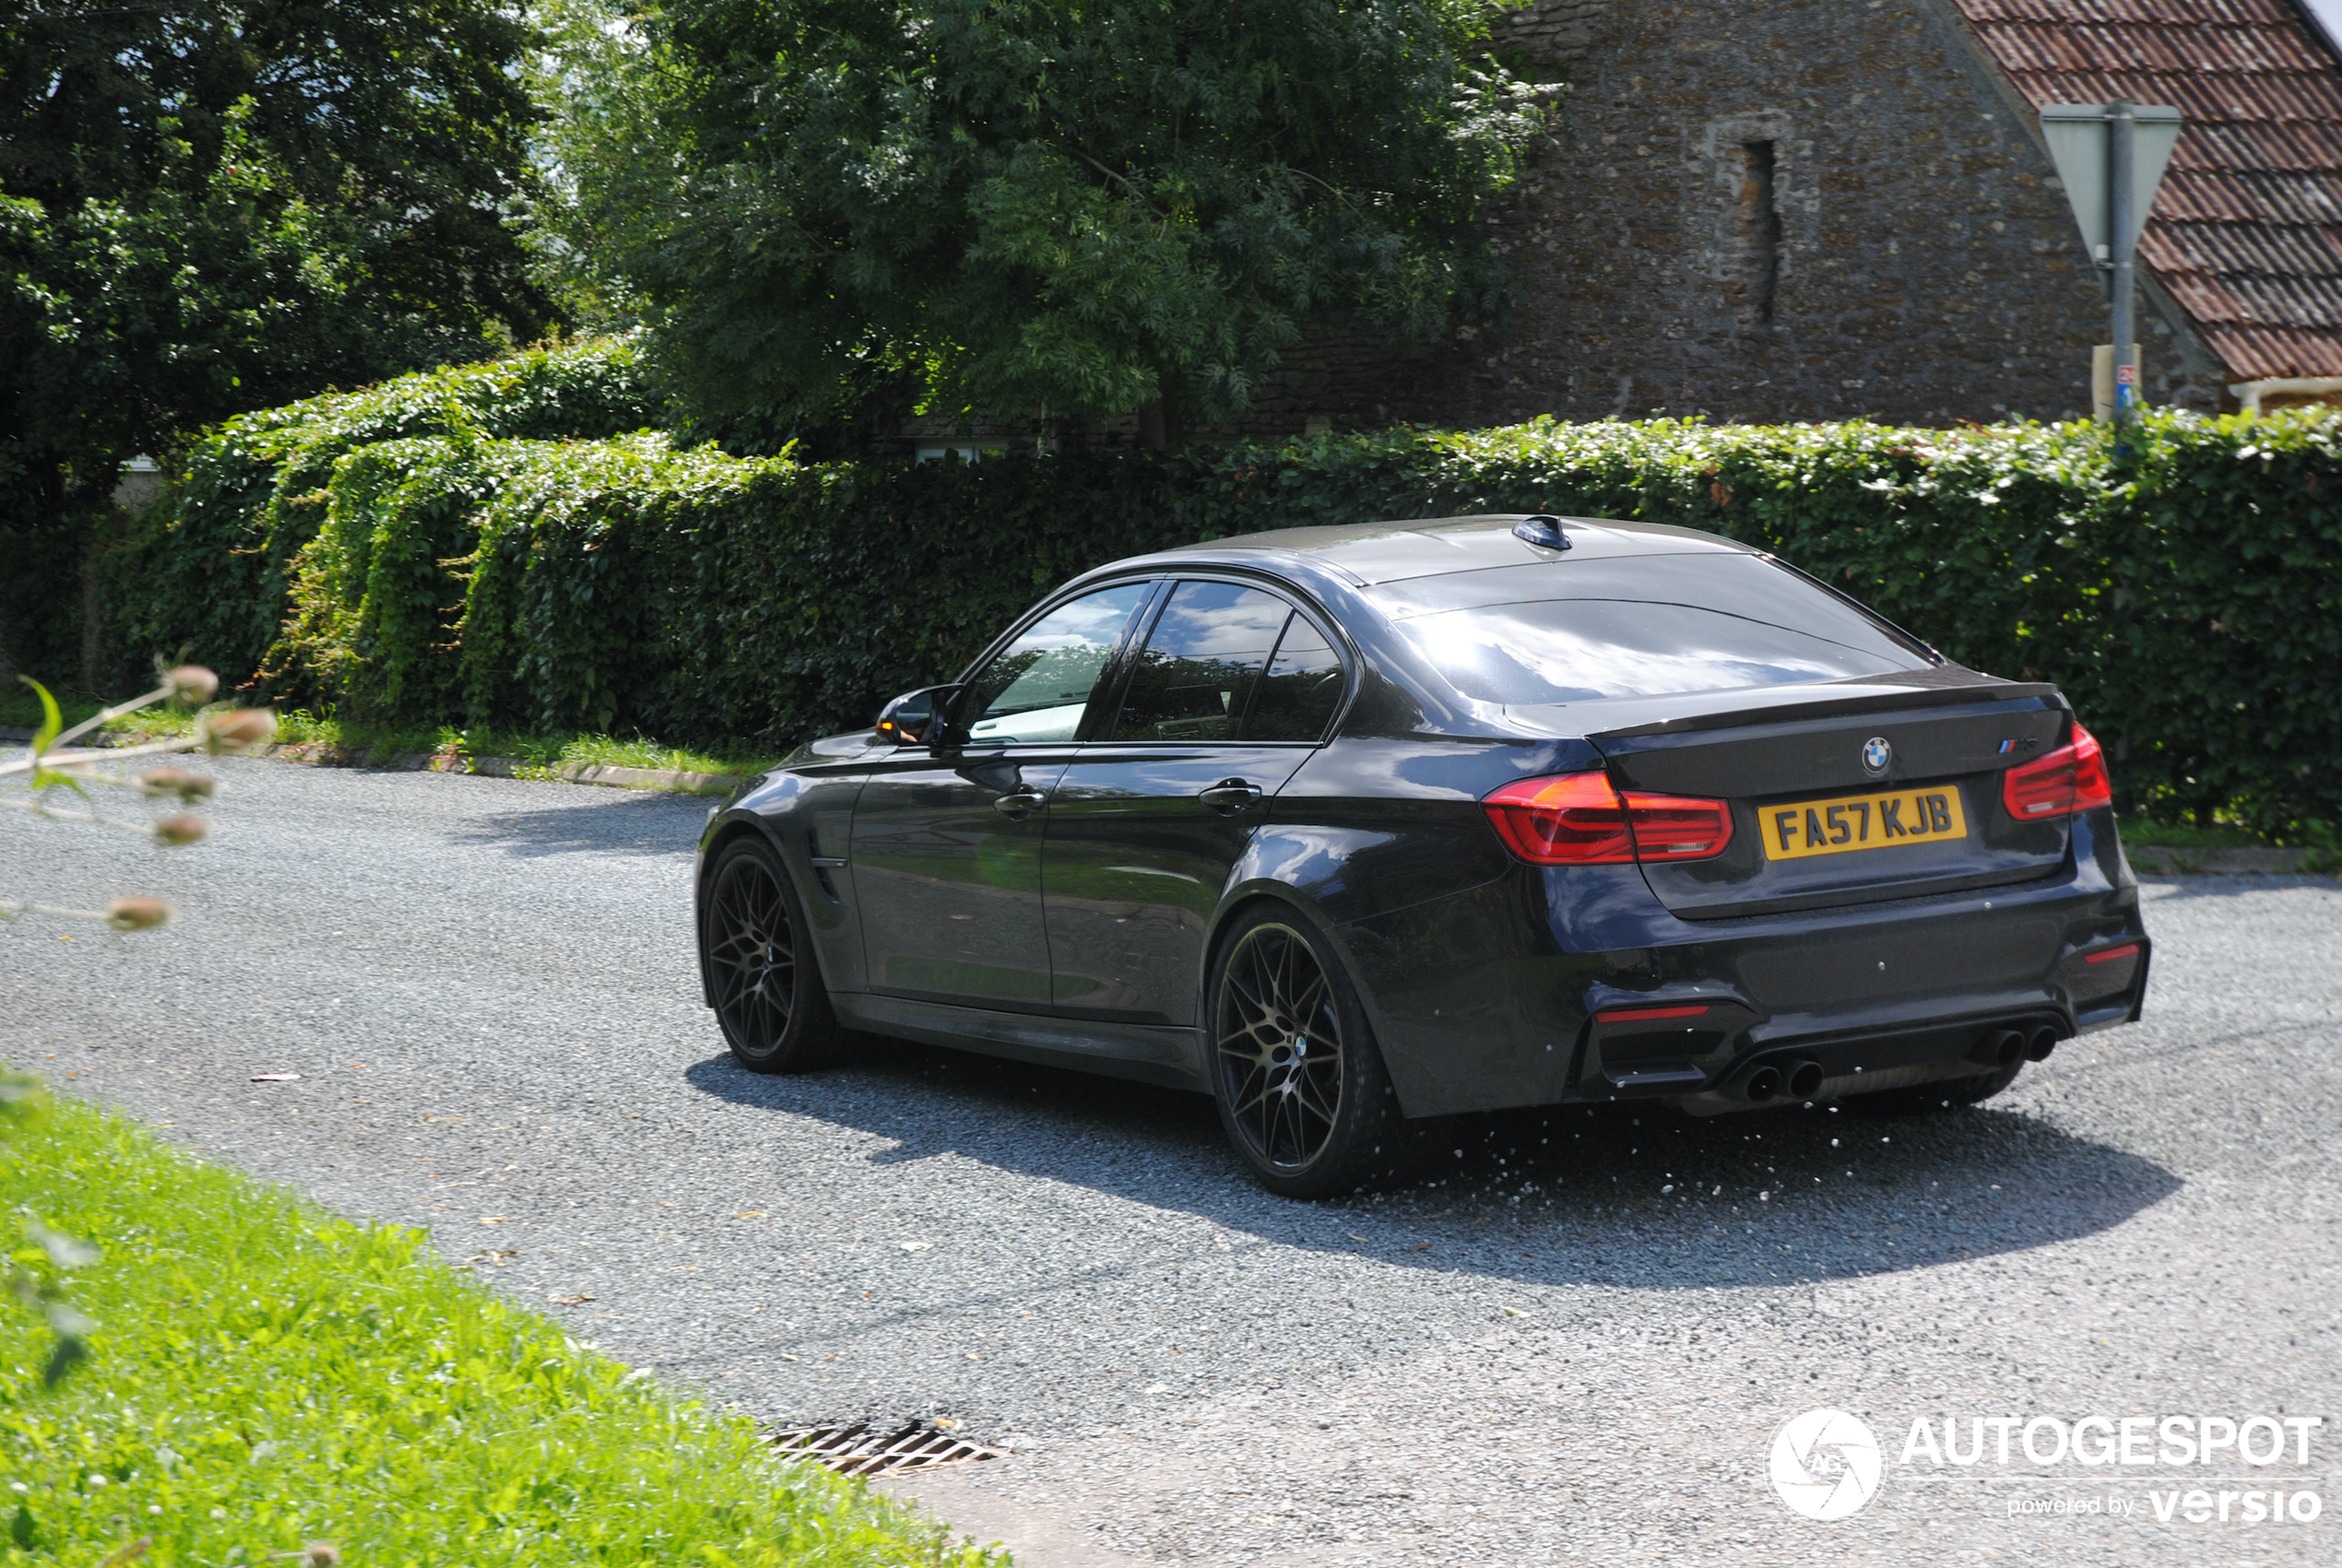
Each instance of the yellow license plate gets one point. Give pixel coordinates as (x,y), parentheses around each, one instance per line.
(1861,821)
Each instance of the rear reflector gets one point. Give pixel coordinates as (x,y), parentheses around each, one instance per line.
(1643,1015)
(1580,819)
(2070,779)
(2128,949)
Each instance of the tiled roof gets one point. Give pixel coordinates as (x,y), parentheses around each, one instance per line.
(2247,229)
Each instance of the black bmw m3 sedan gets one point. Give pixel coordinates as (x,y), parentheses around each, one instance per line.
(1347,826)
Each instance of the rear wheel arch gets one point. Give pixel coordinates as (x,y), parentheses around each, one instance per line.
(1292,1061)
(1242,902)
(1292,902)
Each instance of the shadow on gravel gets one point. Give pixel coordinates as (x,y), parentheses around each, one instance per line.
(607,822)
(1642,1199)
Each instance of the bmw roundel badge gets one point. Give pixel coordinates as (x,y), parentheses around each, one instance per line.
(1876,754)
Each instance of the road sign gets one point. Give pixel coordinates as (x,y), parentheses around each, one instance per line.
(2078,135)
(2111,158)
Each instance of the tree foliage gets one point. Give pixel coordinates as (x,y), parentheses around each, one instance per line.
(1083,206)
(212,205)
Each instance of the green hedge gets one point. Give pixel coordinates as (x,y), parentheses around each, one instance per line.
(453,560)
(212,569)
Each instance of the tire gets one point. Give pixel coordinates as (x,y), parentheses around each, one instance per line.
(1301,1087)
(1930,1099)
(770,1000)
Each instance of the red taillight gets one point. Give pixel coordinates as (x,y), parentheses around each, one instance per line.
(1677,827)
(2070,779)
(1647,1015)
(1579,819)
(2128,949)
(1575,820)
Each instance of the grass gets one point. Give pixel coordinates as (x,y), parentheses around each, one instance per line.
(19,709)
(263,1376)
(2186,835)
(539,756)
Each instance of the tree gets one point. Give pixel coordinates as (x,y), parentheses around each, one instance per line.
(1084,207)
(212,205)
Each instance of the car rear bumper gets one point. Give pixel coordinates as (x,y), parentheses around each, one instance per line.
(1891,998)
(1505,995)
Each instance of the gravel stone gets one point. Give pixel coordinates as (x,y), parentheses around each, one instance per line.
(1574,1336)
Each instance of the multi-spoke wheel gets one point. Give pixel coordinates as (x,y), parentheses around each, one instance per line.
(1301,1088)
(768,993)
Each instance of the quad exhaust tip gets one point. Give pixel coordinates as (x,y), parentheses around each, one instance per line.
(1803,1079)
(1796,1079)
(2006,1047)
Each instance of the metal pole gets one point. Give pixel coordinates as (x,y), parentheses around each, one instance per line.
(2121,133)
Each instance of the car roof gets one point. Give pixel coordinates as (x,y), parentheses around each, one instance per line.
(1368,553)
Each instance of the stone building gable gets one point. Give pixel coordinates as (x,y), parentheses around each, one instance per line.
(1768,210)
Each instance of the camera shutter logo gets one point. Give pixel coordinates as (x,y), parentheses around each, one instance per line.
(1876,754)
(1826,1464)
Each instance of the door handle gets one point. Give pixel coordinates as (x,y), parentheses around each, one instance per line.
(1230,795)
(1021,802)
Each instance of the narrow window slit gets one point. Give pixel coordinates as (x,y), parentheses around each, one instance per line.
(1756,225)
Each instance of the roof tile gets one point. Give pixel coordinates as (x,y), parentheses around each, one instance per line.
(2246,233)
(2252,353)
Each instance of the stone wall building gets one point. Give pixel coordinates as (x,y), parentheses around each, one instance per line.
(1766,210)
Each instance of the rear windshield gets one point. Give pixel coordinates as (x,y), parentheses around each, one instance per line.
(1574,632)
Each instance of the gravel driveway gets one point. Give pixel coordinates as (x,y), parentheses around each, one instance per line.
(1579,1341)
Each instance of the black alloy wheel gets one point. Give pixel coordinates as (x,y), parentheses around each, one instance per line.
(769,996)
(1301,1088)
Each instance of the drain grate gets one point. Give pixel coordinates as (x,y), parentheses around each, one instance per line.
(867,1450)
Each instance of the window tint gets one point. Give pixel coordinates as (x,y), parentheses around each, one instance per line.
(1034,690)
(1196,675)
(1569,632)
(1301,691)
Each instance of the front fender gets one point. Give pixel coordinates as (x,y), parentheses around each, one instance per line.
(803,817)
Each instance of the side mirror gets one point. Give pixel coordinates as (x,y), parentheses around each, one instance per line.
(911,719)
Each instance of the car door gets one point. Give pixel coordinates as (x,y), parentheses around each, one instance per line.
(946,844)
(1229,691)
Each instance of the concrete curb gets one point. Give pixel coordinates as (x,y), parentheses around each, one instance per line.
(589,774)
(318,755)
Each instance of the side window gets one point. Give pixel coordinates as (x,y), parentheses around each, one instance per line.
(1301,691)
(1195,677)
(1034,692)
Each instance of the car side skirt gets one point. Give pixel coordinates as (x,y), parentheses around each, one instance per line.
(1157,1054)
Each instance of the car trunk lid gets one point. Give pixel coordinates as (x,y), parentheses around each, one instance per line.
(1848,792)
